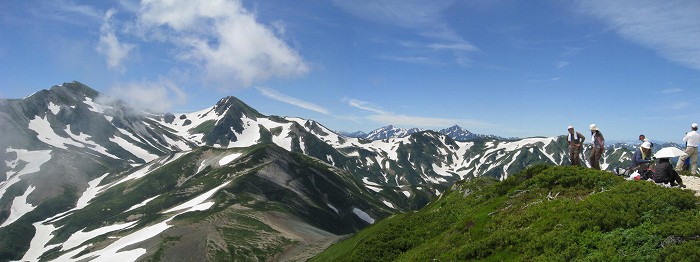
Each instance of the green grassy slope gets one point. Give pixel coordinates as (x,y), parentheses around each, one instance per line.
(541,214)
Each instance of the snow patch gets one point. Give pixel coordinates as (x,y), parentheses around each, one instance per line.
(38,244)
(94,107)
(387,203)
(85,139)
(34,161)
(141,204)
(334,209)
(54,108)
(78,238)
(227,159)
(20,207)
(250,134)
(46,134)
(363,215)
(90,192)
(197,200)
(133,149)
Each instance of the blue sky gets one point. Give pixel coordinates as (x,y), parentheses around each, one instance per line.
(509,68)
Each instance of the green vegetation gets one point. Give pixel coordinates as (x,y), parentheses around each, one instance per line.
(204,127)
(540,214)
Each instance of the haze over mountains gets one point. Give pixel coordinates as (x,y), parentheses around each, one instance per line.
(89,177)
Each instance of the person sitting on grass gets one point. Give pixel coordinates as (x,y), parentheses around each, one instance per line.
(642,158)
(664,173)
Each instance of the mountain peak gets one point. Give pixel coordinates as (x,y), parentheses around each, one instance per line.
(231,102)
(75,88)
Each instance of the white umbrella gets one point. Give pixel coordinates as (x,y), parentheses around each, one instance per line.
(668,152)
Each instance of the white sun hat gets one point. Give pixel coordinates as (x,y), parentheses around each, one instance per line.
(646,145)
(593,127)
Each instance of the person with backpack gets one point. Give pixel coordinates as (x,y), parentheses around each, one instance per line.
(574,141)
(641,158)
(692,140)
(598,143)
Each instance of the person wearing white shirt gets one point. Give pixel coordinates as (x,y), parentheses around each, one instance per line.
(692,140)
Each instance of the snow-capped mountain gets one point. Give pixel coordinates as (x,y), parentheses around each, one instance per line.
(390,132)
(455,132)
(94,178)
(356,134)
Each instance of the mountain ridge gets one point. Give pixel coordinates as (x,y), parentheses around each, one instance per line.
(455,132)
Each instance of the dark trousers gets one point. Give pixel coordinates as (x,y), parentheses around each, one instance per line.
(575,155)
(596,153)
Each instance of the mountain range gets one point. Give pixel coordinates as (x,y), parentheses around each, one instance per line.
(455,132)
(89,177)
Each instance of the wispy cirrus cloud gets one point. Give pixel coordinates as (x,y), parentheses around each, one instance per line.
(67,12)
(367,106)
(671,91)
(680,105)
(671,28)
(425,17)
(110,46)
(384,117)
(454,47)
(275,95)
(411,59)
(561,64)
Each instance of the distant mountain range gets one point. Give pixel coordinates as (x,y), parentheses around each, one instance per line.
(455,132)
(89,177)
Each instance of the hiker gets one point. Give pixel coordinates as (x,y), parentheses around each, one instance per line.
(664,173)
(641,158)
(692,139)
(643,138)
(598,143)
(574,140)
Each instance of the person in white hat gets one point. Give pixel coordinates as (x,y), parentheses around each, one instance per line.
(598,143)
(574,141)
(642,158)
(692,140)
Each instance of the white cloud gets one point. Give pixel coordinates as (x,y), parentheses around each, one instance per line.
(455,47)
(411,59)
(157,97)
(110,46)
(73,8)
(367,106)
(672,28)
(561,64)
(671,90)
(681,105)
(223,39)
(65,11)
(292,100)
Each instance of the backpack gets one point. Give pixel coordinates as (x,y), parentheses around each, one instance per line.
(646,174)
